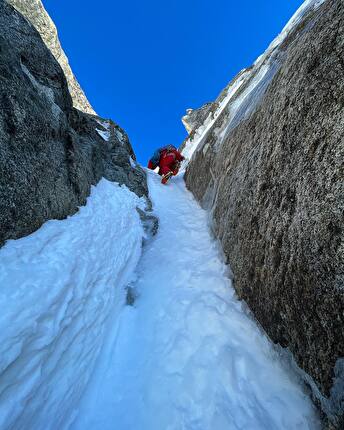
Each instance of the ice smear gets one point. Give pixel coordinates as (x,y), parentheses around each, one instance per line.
(105,134)
(59,286)
(306,6)
(187,355)
(119,135)
(44,91)
(244,105)
(202,131)
(257,79)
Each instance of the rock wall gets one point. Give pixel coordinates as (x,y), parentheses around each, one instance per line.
(34,11)
(50,152)
(269,168)
(196,117)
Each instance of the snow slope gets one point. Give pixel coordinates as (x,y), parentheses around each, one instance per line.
(59,286)
(187,355)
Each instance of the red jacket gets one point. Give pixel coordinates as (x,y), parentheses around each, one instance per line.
(167,158)
(171,152)
(151,165)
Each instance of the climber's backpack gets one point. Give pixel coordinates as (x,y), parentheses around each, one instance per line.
(157,154)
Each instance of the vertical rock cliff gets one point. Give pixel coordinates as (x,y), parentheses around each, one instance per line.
(267,163)
(34,11)
(51,153)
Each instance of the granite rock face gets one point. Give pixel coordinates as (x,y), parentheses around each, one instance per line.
(195,117)
(34,11)
(50,152)
(270,170)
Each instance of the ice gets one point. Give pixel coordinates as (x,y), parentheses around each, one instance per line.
(44,91)
(200,134)
(105,134)
(61,289)
(187,355)
(119,135)
(248,100)
(254,81)
(306,6)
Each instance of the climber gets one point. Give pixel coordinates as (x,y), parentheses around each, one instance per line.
(168,159)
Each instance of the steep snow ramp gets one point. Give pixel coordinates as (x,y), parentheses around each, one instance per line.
(61,288)
(188,356)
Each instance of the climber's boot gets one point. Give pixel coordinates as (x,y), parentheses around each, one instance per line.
(166,177)
(176,168)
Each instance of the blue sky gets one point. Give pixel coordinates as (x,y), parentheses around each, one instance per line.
(143,63)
